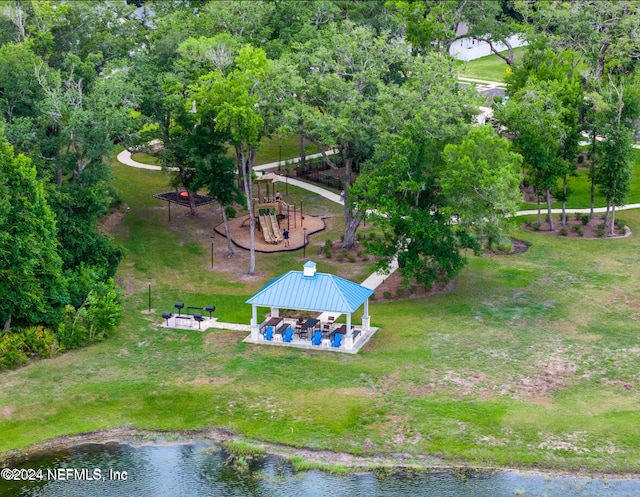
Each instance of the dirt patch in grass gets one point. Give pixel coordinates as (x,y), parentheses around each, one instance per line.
(393,288)
(7,411)
(550,375)
(222,380)
(111,221)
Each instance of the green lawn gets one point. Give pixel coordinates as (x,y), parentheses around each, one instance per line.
(489,68)
(580,190)
(145,158)
(531,361)
(269,151)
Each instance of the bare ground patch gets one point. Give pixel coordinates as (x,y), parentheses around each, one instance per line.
(7,411)
(552,374)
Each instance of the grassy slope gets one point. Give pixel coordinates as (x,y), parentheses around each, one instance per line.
(531,361)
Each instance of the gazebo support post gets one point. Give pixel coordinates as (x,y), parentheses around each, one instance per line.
(275,312)
(366,319)
(348,339)
(255,327)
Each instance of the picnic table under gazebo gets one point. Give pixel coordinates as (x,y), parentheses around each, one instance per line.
(309,290)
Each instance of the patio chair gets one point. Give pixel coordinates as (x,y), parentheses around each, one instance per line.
(337,340)
(268,333)
(288,335)
(317,338)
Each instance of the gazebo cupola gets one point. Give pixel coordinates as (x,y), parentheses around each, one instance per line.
(309,270)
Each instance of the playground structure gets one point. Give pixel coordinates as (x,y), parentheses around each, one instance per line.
(270,209)
(268,221)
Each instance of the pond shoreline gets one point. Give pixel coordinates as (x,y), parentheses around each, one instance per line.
(139,438)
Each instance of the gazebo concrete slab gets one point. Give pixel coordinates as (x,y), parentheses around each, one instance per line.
(298,343)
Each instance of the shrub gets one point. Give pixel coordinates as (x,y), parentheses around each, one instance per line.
(535,226)
(386,294)
(600,230)
(579,230)
(577,216)
(12,350)
(412,289)
(373,296)
(505,245)
(327,249)
(342,255)
(351,258)
(564,231)
(400,292)
(40,340)
(623,230)
(585,219)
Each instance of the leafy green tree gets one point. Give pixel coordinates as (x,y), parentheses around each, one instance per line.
(614,174)
(344,70)
(20,88)
(404,198)
(233,99)
(603,34)
(400,186)
(534,115)
(480,182)
(32,288)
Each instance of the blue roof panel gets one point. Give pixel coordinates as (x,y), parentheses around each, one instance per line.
(322,292)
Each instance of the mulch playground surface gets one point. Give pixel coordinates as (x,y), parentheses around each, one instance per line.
(240,236)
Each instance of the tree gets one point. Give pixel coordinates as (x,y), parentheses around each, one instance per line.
(401,184)
(32,288)
(535,115)
(20,88)
(344,70)
(404,198)
(233,100)
(614,174)
(430,25)
(602,33)
(480,182)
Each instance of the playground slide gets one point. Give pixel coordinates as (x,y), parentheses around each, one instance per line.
(275,227)
(266,229)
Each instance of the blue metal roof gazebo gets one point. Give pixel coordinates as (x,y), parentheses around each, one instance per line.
(309,290)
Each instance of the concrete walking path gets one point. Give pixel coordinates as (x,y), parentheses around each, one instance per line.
(483,82)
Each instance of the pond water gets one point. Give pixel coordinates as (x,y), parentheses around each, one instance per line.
(194,470)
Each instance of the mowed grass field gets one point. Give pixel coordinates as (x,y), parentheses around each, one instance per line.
(489,68)
(531,361)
